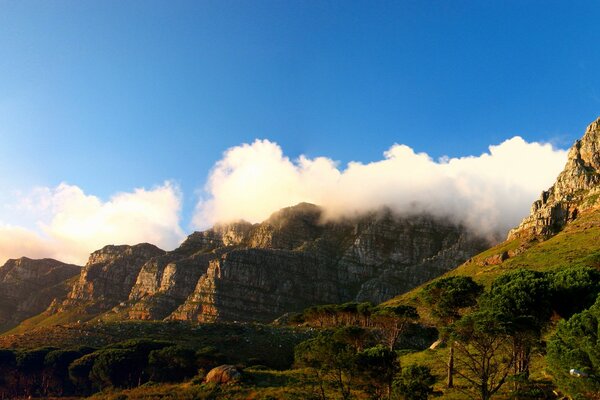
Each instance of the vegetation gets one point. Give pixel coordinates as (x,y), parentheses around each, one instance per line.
(518,329)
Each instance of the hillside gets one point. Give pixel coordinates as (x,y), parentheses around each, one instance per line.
(563,228)
(245,272)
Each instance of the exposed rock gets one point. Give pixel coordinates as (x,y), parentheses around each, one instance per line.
(107,278)
(371,258)
(28,287)
(575,190)
(294,259)
(223,374)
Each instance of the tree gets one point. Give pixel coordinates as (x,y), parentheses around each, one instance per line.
(172,364)
(330,359)
(30,364)
(446,297)
(392,321)
(355,336)
(56,371)
(484,355)
(8,373)
(377,367)
(414,383)
(80,370)
(573,355)
(521,300)
(574,289)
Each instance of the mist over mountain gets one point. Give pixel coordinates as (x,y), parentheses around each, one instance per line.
(488,193)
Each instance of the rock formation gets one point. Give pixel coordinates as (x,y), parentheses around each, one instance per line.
(292,260)
(576,190)
(107,278)
(246,272)
(28,287)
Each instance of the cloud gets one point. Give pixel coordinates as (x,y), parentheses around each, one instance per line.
(69,224)
(489,193)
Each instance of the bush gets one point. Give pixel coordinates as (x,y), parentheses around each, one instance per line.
(414,383)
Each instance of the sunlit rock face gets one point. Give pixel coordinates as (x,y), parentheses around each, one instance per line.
(107,278)
(293,260)
(28,287)
(257,272)
(576,190)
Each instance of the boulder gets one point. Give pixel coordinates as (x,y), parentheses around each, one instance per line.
(223,374)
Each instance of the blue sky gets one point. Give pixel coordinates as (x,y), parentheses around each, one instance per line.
(114,95)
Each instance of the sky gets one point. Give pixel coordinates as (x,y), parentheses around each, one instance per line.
(127,121)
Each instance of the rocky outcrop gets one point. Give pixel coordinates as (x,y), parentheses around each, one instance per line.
(28,287)
(576,190)
(107,278)
(294,259)
(223,374)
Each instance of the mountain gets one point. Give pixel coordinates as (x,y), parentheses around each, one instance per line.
(563,228)
(257,272)
(28,287)
(576,190)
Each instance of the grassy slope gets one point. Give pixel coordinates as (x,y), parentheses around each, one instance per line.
(577,244)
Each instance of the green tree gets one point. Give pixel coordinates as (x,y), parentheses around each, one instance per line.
(8,373)
(447,297)
(172,364)
(574,289)
(573,355)
(331,360)
(484,355)
(79,373)
(392,321)
(414,383)
(377,367)
(30,364)
(521,300)
(56,371)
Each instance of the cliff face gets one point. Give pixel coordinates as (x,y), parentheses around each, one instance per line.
(108,276)
(28,287)
(576,190)
(292,260)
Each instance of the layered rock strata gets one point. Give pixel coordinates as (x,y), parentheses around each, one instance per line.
(576,190)
(28,287)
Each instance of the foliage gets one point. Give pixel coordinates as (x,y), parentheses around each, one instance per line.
(377,367)
(484,355)
(414,383)
(447,296)
(576,347)
(520,300)
(331,360)
(574,289)
(172,364)
(391,321)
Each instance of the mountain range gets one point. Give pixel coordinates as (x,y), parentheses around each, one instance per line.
(294,259)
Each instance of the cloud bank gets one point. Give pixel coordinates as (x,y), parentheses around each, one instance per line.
(489,193)
(69,224)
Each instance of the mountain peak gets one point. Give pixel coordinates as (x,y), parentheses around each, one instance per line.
(576,189)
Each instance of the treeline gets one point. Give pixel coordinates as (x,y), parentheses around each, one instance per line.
(56,372)
(491,335)
(493,343)
(351,359)
(386,322)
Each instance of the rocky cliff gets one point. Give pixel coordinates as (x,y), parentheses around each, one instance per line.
(247,272)
(294,259)
(576,190)
(28,287)
(107,278)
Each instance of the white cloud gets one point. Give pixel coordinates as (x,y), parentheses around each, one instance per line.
(490,193)
(70,224)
